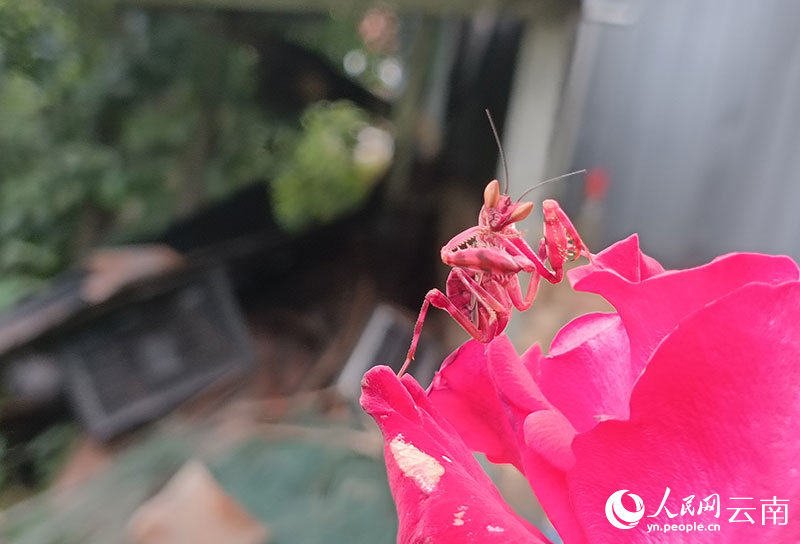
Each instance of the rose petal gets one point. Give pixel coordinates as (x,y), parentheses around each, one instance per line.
(464,393)
(544,435)
(587,375)
(486,394)
(674,294)
(490,397)
(625,258)
(547,454)
(531,360)
(442,495)
(513,381)
(716,411)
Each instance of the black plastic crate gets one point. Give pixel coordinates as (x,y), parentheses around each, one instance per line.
(137,360)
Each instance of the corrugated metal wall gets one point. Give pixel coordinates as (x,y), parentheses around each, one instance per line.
(694,110)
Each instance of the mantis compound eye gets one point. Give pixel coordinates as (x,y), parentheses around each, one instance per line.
(522,211)
(491,195)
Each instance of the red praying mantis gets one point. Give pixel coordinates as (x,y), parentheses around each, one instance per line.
(486,260)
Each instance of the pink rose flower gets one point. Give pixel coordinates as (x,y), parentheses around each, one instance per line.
(692,386)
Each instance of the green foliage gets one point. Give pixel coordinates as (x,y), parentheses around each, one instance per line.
(48,451)
(322,179)
(2,468)
(40,458)
(114,122)
(114,133)
(331,37)
(21,33)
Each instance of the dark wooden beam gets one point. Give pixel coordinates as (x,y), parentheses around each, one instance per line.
(522,8)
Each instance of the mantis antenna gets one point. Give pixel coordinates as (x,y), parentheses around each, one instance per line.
(500,148)
(551,180)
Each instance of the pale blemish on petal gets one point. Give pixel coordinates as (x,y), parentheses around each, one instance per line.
(458,517)
(446,458)
(604,417)
(495,529)
(415,464)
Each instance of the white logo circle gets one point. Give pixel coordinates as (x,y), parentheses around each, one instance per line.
(619,516)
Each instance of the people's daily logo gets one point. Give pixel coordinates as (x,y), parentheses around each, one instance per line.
(619,516)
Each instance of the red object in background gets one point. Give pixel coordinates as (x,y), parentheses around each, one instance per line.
(378,29)
(597,182)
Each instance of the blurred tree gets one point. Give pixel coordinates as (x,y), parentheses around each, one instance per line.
(112,123)
(115,121)
(330,167)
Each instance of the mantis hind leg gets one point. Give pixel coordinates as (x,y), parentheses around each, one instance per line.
(439,300)
(443,302)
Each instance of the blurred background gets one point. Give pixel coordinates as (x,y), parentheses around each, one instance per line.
(216,215)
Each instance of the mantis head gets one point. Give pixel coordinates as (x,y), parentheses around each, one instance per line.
(498,210)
